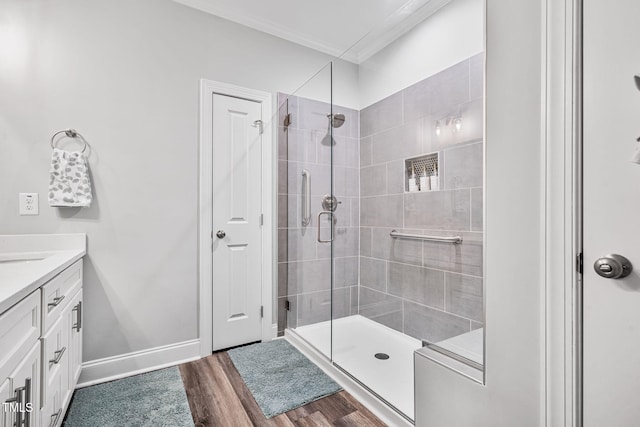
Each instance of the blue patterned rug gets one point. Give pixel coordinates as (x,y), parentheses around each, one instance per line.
(280,377)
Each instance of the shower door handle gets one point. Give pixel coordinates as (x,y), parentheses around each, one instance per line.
(329,214)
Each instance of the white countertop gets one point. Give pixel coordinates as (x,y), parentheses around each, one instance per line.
(46,255)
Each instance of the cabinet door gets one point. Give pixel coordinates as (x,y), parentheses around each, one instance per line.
(55,375)
(6,393)
(27,375)
(57,292)
(19,329)
(75,339)
(52,406)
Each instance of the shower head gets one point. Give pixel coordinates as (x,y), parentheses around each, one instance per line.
(336,120)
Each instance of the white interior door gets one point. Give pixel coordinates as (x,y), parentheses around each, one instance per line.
(611,340)
(237,202)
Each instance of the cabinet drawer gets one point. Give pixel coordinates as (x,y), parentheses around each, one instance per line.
(19,330)
(55,352)
(57,293)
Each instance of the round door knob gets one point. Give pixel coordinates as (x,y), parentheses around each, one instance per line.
(221,234)
(613,266)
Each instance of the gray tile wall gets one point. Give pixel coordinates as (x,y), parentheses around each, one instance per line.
(304,265)
(428,290)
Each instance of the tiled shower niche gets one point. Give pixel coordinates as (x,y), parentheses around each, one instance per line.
(425,170)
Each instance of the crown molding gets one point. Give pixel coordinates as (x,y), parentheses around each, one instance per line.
(396,25)
(268,27)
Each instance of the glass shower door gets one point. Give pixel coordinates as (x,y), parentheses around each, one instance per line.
(420,227)
(305,220)
(393,258)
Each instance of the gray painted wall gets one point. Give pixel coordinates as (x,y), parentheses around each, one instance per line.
(126,75)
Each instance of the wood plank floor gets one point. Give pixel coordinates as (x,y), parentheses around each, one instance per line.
(219,397)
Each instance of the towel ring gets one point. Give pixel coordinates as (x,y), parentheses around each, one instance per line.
(70,133)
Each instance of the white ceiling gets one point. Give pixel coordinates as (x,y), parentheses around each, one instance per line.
(330,26)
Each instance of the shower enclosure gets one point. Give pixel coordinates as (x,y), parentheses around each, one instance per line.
(380,227)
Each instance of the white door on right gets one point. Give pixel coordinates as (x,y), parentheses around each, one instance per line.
(611,316)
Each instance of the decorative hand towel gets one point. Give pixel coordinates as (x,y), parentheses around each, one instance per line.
(69,184)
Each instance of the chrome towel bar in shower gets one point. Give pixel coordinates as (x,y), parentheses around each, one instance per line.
(451,239)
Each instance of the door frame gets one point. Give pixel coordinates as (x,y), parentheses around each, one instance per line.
(562,187)
(205,212)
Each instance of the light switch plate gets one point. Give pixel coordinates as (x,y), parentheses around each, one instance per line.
(29,204)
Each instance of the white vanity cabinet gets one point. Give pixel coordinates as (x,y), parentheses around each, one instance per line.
(61,347)
(41,352)
(20,363)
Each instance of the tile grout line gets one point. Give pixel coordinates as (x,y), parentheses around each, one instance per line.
(470,210)
(425,268)
(407,300)
(444,292)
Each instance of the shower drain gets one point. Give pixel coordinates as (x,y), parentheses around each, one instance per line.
(381,356)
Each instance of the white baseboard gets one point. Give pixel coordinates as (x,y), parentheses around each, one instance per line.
(375,405)
(274,331)
(138,362)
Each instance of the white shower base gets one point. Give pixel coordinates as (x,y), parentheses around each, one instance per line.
(356,340)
